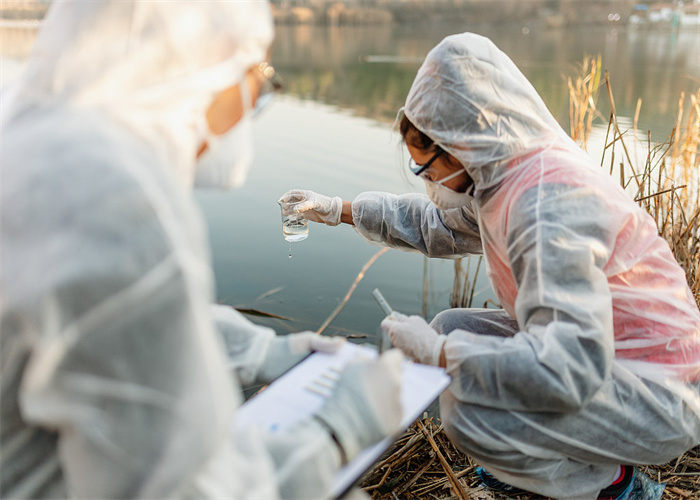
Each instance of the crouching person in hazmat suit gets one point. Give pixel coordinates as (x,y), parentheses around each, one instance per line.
(115,382)
(593,365)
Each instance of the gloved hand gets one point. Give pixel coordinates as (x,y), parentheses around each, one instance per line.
(317,207)
(365,406)
(415,337)
(285,351)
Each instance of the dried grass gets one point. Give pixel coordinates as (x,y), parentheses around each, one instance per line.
(667,185)
(423,463)
(583,92)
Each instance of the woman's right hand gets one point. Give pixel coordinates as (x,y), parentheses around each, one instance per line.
(317,207)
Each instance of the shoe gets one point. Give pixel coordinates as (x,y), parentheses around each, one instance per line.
(639,487)
(631,485)
(619,488)
(490,482)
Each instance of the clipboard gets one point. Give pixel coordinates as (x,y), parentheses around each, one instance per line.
(290,399)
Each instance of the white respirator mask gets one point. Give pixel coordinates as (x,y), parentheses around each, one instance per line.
(226,161)
(445,198)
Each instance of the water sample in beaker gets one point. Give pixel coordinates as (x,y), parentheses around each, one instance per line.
(295,229)
(294,226)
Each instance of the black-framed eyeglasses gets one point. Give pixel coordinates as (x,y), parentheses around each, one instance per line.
(419,169)
(272,85)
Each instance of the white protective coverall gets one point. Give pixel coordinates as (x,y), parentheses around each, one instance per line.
(114,380)
(594,360)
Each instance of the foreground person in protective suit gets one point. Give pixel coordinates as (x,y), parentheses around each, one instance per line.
(115,382)
(594,361)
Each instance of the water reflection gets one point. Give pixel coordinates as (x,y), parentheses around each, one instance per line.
(328,64)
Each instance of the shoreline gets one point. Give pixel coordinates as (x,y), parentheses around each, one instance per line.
(544,13)
(552,13)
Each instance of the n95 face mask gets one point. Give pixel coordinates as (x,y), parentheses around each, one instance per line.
(445,198)
(226,161)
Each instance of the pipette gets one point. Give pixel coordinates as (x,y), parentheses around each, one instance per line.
(382,301)
(384,340)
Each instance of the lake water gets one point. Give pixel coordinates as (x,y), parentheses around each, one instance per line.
(331,132)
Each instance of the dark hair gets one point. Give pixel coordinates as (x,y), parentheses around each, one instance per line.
(411,135)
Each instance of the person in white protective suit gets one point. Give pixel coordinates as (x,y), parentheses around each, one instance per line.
(593,364)
(115,382)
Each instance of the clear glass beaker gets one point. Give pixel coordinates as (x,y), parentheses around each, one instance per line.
(294,226)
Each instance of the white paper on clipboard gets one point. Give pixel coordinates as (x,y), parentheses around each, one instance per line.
(287,400)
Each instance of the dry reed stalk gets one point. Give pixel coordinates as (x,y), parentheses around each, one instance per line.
(464,287)
(352,289)
(456,486)
(467,302)
(425,287)
(583,92)
(417,465)
(455,297)
(678,214)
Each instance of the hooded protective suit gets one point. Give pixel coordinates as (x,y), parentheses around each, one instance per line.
(595,360)
(114,379)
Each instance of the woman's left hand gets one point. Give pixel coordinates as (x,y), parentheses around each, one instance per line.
(285,351)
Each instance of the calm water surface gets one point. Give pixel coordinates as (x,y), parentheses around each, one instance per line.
(331,133)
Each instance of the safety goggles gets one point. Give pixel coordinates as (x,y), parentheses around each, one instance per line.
(421,169)
(271,86)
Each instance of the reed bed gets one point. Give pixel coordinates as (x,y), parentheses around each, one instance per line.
(423,463)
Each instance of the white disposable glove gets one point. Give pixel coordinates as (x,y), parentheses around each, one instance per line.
(285,351)
(317,207)
(415,337)
(365,406)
